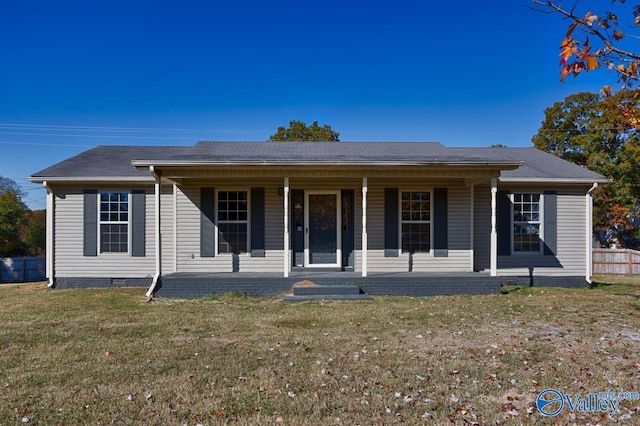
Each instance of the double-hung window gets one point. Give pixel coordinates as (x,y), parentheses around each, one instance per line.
(233,222)
(114,222)
(527,222)
(416,221)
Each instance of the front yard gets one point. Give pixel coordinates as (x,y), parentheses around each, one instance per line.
(105,356)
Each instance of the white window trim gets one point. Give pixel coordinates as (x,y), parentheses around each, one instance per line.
(100,222)
(215,224)
(430,222)
(540,220)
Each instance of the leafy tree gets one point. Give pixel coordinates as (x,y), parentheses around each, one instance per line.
(595,39)
(592,130)
(34,232)
(298,131)
(12,219)
(7,184)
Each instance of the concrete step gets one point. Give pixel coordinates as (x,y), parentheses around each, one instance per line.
(311,297)
(312,290)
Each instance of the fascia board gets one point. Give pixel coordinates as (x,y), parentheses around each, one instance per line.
(503,165)
(93,179)
(554,180)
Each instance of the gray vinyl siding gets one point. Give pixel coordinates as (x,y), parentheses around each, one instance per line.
(69,259)
(166,228)
(571,257)
(459,254)
(462,255)
(189,259)
(188,222)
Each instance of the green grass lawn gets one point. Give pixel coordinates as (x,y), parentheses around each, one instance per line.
(105,356)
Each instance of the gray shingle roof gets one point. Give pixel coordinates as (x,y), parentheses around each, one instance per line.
(536,164)
(108,161)
(116,161)
(325,152)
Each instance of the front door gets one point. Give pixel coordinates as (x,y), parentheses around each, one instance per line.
(322,229)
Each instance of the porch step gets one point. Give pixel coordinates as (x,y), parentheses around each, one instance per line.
(307,298)
(314,290)
(306,290)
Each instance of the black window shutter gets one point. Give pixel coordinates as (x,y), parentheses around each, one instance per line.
(90,223)
(440,223)
(391,234)
(257,222)
(207,222)
(550,223)
(138,223)
(504,223)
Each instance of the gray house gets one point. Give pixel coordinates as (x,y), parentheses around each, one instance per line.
(394,218)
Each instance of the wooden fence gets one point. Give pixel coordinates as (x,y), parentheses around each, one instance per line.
(22,269)
(616,262)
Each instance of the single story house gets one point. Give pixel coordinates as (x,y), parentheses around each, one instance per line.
(260,215)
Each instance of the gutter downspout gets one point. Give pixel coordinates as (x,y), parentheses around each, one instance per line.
(589,232)
(49,245)
(156,277)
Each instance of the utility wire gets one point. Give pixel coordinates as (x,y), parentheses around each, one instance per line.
(127,129)
(45,144)
(95,136)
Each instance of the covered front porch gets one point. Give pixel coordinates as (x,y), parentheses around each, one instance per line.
(291,227)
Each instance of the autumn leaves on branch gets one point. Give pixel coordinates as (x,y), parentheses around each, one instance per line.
(609,48)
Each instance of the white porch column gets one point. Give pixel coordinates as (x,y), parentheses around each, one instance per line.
(287,262)
(49,245)
(472,235)
(494,232)
(365,243)
(158,233)
(175,228)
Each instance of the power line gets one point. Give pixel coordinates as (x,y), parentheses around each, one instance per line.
(45,144)
(127,129)
(94,136)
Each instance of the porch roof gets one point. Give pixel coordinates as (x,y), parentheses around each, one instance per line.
(326,153)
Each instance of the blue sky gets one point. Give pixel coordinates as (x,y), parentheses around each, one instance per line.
(78,74)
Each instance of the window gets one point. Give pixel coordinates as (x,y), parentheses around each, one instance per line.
(114,222)
(416,221)
(527,222)
(233,222)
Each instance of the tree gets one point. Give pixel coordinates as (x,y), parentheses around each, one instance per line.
(592,130)
(12,218)
(7,184)
(298,131)
(610,44)
(34,232)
